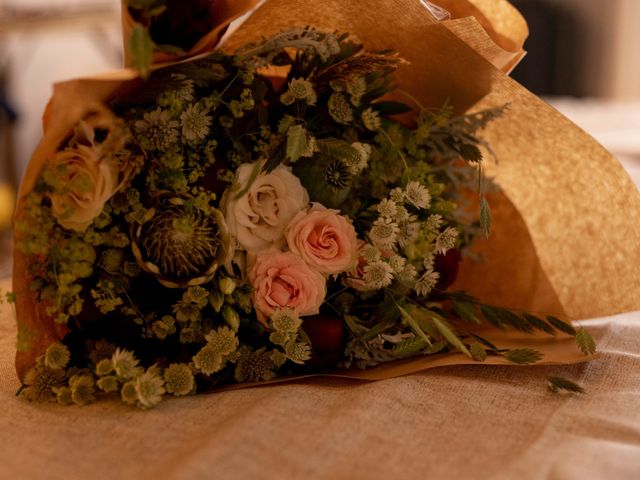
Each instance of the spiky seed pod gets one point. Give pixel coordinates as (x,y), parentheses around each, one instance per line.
(181,245)
(326,179)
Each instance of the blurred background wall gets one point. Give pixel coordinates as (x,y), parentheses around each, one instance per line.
(582,48)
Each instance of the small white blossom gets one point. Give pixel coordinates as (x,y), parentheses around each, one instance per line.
(149,388)
(434,222)
(429,260)
(384,233)
(418,195)
(371,254)
(446,240)
(299,89)
(371,119)
(397,195)
(378,274)
(388,208)
(402,215)
(285,320)
(408,231)
(125,363)
(195,123)
(357,165)
(398,263)
(157,129)
(408,274)
(185,89)
(427,282)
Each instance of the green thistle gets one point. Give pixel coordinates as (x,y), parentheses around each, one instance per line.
(208,360)
(108,384)
(57,356)
(255,366)
(339,109)
(82,389)
(40,382)
(128,393)
(179,379)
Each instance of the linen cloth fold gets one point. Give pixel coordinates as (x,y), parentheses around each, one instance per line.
(455,422)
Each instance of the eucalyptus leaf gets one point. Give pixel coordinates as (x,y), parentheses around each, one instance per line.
(142,50)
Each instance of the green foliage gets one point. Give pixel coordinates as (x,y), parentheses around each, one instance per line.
(450,335)
(560,325)
(299,143)
(485,216)
(478,352)
(558,384)
(523,356)
(142,48)
(585,342)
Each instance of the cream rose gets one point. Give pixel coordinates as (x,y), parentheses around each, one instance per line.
(87,173)
(280,280)
(324,239)
(86,180)
(258,218)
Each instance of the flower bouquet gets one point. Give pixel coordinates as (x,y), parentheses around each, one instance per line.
(298,202)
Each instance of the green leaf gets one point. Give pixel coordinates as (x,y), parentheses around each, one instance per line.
(523,356)
(337,149)
(485,217)
(414,325)
(142,50)
(478,352)
(561,326)
(466,311)
(449,335)
(437,347)
(376,330)
(539,324)
(585,342)
(298,143)
(410,346)
(556,384)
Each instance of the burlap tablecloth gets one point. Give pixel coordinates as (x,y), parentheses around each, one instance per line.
(460,422)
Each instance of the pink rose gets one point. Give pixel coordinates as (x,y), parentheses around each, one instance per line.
(280,279)
(324,239)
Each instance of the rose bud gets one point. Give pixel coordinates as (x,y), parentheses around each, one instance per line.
(447,266)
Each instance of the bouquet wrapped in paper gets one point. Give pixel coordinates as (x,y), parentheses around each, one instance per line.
(311,197)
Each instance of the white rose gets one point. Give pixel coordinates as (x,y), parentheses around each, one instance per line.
(258,218)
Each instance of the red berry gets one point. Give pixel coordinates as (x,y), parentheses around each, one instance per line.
(447,265)
(325,332)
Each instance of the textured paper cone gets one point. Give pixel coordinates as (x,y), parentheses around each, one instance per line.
(566,235)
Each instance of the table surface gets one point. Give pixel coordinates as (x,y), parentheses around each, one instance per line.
(453,422)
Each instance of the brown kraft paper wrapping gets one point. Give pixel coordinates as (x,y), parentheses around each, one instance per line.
(566,224)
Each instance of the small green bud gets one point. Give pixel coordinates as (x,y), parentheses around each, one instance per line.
(227,285)
(216,299)
(231,317)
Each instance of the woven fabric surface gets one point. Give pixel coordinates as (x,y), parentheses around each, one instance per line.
(454,422)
